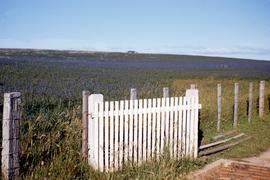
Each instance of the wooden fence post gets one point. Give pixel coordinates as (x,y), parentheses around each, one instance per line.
(11,131)
(261,99)
(165,92)
(235,107)
(250,99)
(133,94)
(193,86)
(85,95)
(218,106)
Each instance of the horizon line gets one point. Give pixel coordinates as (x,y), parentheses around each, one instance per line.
(137,52)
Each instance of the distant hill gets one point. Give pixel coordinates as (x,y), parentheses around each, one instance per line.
(137,60)
(129,54)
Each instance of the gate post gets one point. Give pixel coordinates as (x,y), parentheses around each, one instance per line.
(194,93)
(95,132)
(85,95)
(11,129)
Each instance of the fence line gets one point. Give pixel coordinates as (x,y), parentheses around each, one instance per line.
(260,106)
(138,130)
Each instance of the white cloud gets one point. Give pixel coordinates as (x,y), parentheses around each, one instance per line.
(235,50)
(240,51)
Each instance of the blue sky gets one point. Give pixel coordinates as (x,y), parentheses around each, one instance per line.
(232,28)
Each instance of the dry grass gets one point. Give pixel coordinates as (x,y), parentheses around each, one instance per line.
(208,99)
(51,134)
(51,137)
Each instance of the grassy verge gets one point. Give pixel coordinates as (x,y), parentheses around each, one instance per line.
(50,144)
(51,136)
(258,129)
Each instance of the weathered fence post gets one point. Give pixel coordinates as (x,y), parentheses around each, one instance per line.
(193,86)
(133,94)
(261,99)
(250,97)
(85,95)
(165,92)
(11,130)
(218,106)
(235,107)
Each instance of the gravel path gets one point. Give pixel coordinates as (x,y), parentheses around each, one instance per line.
(262,159)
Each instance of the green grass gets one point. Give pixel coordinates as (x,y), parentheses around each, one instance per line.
(258,129)
(50,147)
(51,124)
(51,136)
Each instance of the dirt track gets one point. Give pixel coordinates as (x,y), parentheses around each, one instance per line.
(262,159)
(252,168)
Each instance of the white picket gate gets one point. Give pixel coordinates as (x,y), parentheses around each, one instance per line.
(132,131)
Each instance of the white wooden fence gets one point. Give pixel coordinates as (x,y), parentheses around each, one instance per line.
(132,131)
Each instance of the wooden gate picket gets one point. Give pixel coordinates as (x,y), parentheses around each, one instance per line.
(133,131)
